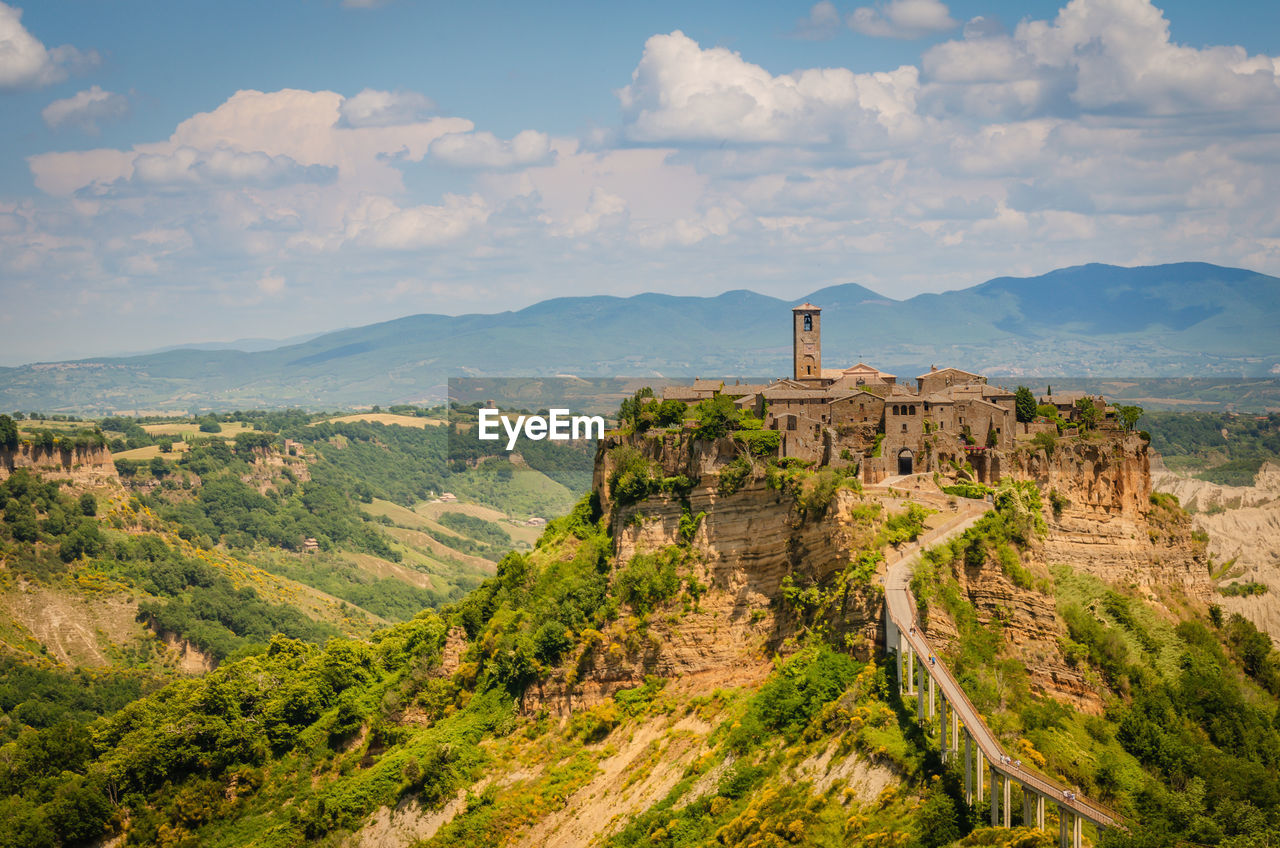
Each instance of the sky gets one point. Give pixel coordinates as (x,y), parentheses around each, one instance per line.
(201,171)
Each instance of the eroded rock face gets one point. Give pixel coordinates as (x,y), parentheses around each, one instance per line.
(1243,523)
(748,542)
(83,467)
(745,545)
(1106,523)
(1032,628)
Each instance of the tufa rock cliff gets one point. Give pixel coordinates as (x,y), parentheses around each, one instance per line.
(86,466)
(751,543)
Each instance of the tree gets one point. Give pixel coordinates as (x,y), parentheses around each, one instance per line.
(1090,415)
(718,416)
(1024,404)
(88,504)
(1129,416)
(8,433)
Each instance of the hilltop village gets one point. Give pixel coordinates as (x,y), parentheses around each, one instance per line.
(863,416)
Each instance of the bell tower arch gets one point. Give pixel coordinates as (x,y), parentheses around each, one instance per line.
(807,341)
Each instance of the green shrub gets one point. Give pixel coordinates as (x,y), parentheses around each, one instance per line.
(759,442)
(974,491)
(733,475)
(634,477)
(649,580)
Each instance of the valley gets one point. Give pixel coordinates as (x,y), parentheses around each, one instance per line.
(361,638)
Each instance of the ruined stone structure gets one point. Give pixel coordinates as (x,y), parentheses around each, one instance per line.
(862,415)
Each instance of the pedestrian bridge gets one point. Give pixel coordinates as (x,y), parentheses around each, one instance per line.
(945,712)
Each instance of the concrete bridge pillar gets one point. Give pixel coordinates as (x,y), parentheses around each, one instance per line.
(968,768)
(1036,817)
(911,669)
(979,773)
(932,696)
(943,742)
(995,798)
(1007,807)
(920,694)
(1070,828)
(955,732)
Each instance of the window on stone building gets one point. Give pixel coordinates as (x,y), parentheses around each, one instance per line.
(808,323)
(904,426)
(913,409)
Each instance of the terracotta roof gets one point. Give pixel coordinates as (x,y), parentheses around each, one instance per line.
(807,307)
(972,401)
(978,389)
(814,395)
(743,390)
(945,370)
(864,368)
(859,392)
(707,385)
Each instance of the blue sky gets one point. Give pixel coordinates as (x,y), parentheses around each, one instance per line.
(179,172)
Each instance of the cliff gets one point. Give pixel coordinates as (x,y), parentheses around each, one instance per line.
(753,543)
(746,545)
(1103,520)
(89,467)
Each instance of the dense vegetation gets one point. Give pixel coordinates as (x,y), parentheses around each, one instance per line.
(1220,447)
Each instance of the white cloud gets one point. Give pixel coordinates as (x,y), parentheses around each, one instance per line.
(903,19)
(485,150)
(85,109)
(26,63)
(304,126)
(271,284)
(379,222)
(224,166)
(1089,136)
(373,108)
(681,92)
(822,23)
(1097,56)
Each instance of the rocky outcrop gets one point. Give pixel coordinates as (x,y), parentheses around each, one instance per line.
(753,540)
(86,467)
(745,546)
(1103,520)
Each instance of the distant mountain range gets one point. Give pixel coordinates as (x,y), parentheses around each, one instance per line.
(1182,320)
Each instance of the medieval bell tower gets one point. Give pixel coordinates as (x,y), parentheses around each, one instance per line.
(807,341)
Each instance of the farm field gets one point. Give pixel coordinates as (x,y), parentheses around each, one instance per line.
(192,428)
(151,451)
(389,418)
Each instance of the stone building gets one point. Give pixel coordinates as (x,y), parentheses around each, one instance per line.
(862,415)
